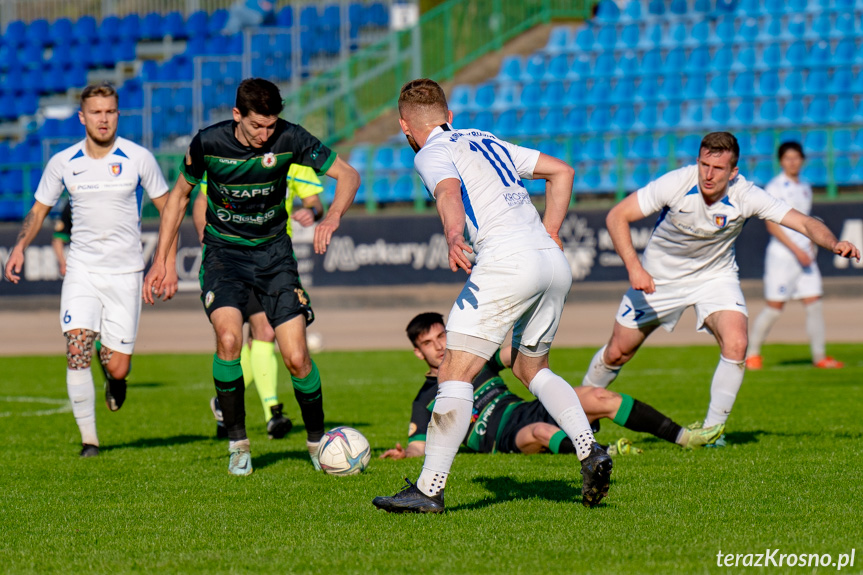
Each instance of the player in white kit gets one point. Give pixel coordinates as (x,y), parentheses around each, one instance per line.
(689,261)
(104,269)
(790,269)
(520,280)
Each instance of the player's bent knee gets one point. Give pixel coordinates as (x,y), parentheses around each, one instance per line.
(298,362)
(79,348)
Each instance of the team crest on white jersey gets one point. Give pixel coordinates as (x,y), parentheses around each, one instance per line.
(116,168)
(720,220)
(269,160)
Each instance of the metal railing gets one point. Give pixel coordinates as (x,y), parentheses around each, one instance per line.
(335,103)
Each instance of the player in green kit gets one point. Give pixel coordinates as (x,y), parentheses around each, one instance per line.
(258,358)
(246,247)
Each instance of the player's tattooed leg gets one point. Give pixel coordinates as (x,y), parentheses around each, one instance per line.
(79,348)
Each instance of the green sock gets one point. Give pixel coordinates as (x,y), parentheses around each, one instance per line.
(246,364)
(310,397)
(265,369)
(228,378)
(623,411)
(560,443)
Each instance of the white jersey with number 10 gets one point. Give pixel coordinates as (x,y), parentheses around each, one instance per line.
(500,215)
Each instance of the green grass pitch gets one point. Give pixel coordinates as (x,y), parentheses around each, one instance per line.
(159,498)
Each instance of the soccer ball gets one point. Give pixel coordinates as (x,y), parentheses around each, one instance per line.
(344,451)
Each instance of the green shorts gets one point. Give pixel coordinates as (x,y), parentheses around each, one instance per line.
(269,272)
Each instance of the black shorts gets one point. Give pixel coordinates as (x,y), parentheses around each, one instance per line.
(521,416)
(269,272)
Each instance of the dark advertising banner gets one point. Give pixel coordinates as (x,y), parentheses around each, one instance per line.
(390,250)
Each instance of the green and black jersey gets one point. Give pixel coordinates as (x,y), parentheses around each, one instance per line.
(491,397)
(247,186)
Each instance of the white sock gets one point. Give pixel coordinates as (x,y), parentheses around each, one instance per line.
(815,329)
(561,402)
(760,328)
(82,394)
(723,391)
(599,374)
(447,429)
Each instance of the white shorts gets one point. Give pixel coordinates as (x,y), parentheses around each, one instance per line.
(109,304)
(524,292)
(665,306)
(785,279)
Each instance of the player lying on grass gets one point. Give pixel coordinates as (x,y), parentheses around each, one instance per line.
(503,422)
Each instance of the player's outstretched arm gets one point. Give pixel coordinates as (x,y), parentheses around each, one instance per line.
(415,449)
(617,221)
(347,184)
(451,209)
(29,230)
(819,233)
(803,256)
(171,217)
(558,192)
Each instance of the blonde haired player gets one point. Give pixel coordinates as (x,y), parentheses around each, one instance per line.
(790,269)
(520,281)
(104,269)
(689,261)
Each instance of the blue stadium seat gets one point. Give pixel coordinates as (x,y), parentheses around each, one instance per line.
(130,27)
(405,158)
(530,123)
(600,91)
(552,123)
(309,17)
(671,116)
(624,117)
(651,62)
(483,121)
(772,30)
(793,84)
(576,93)
(607,11)
(606,37)
(768,83)
(196,25)
(628,64)
(378,15)
(772,55)
(768,113)
(843,110)
(699,59)
(747,6)
(648,117)
(845,25)
(643,147)
(820,54)
(16,34)
(60,32)
(744,140)
(534,68)
(531,95)
(584,40)
(821,27)
(765,143)
(217,21)
(37,33)
(815,172)
(152,27)
(506,96)
(558,67)
(576,121)
(461,98)
(174,26)
(791,135)
(723,59)
(744,84)
(405,188)
(656,7)
(633,10)
(359,157)
(818,81)
(687,147)
(843,141)
(796,55)
(331,17)
(718,86)
(696,86)
(648,89)
(506,124)
(843,171)
(600,118)
(796,28)
(726,30)
(698,34)
(672,87)
(815,142)
(749,30)
(384,158)
(630,36)
(675,60)
(793,112)
(744,113)
(553,96)
(594,149)
(558,40)
(677,36)
(693,116)
(623,90)
(652,37)
(678,7)
(846,52)
(640,176)
(763,172)
(745,60)
(580,68)
(774,6)
(484,96)
(720,114)
(606,64)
